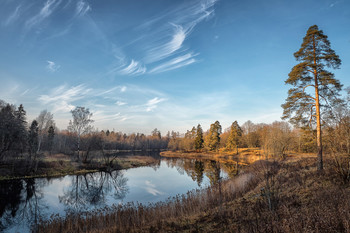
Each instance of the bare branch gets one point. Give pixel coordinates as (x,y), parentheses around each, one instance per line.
(307,86)
(324,99)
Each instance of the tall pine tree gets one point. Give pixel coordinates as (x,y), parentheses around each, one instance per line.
(51,136)
(314,88)
(33,137)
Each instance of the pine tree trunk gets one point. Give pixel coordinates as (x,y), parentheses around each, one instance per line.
(318,127)
(319,135)
(318,114)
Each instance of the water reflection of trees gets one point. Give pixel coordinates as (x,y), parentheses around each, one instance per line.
(231,169)
(197,168)
(213,172)
(90,190)
(198,174)
(21,203)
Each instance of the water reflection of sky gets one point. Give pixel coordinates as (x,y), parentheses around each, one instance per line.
(149,185)
(164,179)
(55,189)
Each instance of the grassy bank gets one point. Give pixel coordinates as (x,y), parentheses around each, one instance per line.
(268,196)
(60,164)
(244,156)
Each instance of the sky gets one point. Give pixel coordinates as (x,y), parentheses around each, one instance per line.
(167,64)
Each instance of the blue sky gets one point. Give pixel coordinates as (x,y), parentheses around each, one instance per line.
(170,64)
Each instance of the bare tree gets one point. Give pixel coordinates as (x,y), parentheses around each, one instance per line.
(278,139)
(81,123)
(45,121)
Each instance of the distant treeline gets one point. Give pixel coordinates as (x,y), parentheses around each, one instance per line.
(274,139)
(20,138)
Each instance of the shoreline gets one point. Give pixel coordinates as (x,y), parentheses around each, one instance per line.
(244,157)
(63,166)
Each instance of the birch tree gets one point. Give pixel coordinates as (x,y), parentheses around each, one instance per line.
(45,121)
(81,124)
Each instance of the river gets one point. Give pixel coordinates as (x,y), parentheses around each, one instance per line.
(24,202)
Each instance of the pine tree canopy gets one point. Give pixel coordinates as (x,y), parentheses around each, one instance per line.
(314,55)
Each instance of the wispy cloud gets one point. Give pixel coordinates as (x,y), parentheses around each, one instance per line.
(164,50)
(59,32)
(182,22)
(62,98)
(120,103)
(52,66)
(82,8)
(13,17)
(151,188)
(163,38)
(45,12)
(108,105)
(152,103)
(175,63)
(134,68)
(123,89)
(111,90)
(101,116)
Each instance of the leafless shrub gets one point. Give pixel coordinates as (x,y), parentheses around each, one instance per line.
(341,165)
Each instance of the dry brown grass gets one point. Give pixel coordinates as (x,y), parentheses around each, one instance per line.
(244,157)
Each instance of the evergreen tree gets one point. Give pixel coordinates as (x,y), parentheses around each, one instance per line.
(8,128)
(20,129)
(33,139)
(302,106)
(213,137)
(21,115)
(199,142)
(51,135)
(193,132)
(156,134)
(234,137)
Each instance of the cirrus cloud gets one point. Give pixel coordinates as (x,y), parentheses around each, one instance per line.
(52,66)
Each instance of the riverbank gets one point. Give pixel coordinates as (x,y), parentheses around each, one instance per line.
(267,196)
(60,165)
(244,156)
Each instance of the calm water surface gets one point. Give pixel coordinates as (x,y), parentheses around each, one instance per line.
(24,202)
